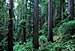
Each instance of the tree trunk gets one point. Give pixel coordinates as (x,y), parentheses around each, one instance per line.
(24,25)
(10,27)
(71,9)
(62,9)
(24,32)
(54,15)
(4,24)
(50,21)
(30,28)
(36,25)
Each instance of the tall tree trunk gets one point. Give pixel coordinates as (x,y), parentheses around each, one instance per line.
(54,15)
(24,25)
(71,9)
(30,18)
(24,32)
(50,21)
(10,27)
(36,25)
(4,24)
(62,8)
(59,10)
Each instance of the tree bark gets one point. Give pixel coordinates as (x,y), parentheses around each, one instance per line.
(10,27)
(71,9)
(62,9)
(54,15)
(30,28)
(24,32)
(24,25)
(50,21)
(36,25)
(4,24)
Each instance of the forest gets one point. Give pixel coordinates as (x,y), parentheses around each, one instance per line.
(37,25)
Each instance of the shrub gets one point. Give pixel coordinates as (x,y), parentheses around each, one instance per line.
(67,30)
(23,47)
(67,27)
(63,46)
(42,39)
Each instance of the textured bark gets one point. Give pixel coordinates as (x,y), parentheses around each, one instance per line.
(24,28)
(54,15)
(71,9)
(36,25)
(24,32)
(50,21)
(30,28)
(59,10)
(10,27)
(62,9)
(4,24)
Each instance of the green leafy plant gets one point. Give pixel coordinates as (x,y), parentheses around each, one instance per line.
(67,27)
(62,46)
(23,47)
(42,39)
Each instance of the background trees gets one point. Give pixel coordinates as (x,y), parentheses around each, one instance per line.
(37,24)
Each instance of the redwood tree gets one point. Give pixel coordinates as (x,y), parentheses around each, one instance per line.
(62,8)
(24,31)
(50,21)
(24,24)
(71,9)
(36,25)
(10,27)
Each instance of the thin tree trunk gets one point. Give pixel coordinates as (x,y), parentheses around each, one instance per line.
(36,25)
(10,27)
(50,21)
(54,16)
(30,19)
(24,25)
(62,9)
(4,24)
(24,32)
(71,9)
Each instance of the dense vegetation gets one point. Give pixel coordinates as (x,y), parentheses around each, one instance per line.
(37,25)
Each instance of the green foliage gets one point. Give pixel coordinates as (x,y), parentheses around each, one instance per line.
(21,23)
(66,36)
(25,14)
(3,24)
(63,46)
(56,38)
(44,29)
(42,39)
(23,47)
(55,30)
(19,47)
(66,30)
(3,10)
(67,27)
